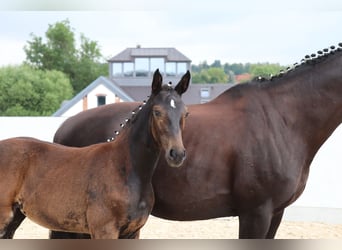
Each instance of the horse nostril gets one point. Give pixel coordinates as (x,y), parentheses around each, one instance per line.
(174,154)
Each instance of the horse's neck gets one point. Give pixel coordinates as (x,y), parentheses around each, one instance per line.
(311,101)
(144,151)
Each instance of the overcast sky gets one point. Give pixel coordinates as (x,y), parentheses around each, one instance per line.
(249,31)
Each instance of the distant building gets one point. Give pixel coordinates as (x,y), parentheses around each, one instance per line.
(130,77)
(135,66)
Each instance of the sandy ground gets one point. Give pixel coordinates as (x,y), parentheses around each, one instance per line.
(222,228)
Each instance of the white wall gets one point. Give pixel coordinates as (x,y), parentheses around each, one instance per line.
(321,200)
(42,128)
(76,108)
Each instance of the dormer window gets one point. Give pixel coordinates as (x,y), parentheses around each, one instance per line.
(142,62)
(117,69)
(128,69)
(181,68)
(101,100)
(157,63)
(142,68)
(170,68)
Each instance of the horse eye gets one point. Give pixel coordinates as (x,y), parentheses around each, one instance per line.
(186,115)
(156,113)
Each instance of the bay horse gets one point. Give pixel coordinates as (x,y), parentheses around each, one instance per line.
(248,151)
(104,189)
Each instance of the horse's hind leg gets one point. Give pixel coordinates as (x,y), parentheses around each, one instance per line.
(6,216)
(18,217)
(11,222)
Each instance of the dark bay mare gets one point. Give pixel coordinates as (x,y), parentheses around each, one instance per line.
(104,189)
(248,151)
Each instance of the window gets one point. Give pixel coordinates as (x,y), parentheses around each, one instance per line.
(101,100)
(128,69)
(170,69)
(157,63)
(181,68)
(205,93)
(141,67)
(117,69)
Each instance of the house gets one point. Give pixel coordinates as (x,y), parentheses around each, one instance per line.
(130,77)
(99,92)
(135,66)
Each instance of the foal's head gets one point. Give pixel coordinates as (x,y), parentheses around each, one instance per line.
(168,117)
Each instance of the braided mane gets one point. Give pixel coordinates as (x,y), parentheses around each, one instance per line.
(307,60)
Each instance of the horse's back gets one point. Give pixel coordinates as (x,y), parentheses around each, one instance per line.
(16,150)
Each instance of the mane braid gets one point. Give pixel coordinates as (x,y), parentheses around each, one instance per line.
(307,60)
(124,123)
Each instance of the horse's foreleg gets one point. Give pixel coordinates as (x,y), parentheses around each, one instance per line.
(107,231)
(133,235)
(101,223)
(255,223)
(137,235)
(274,225)
(67,235)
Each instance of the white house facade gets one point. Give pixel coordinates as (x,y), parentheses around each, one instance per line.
(100,92)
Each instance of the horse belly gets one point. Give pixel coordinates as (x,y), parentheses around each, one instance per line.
(201,208)
(54,210)
(200,189)
(54,218)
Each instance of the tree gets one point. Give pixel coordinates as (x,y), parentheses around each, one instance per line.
(201,66)
(59,52)
(216,64)
(89,66)
(265,69)
(210,75)
(236,68)
(25,91)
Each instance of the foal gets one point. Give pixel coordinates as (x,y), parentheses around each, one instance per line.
(104,189)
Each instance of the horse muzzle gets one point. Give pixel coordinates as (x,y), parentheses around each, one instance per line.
(175,157)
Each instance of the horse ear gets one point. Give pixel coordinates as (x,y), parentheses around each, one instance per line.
(183,84)
(157,82)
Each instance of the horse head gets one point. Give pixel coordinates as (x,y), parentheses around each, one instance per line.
(168,117)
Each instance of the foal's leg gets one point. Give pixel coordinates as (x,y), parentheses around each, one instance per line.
(274,225)
(101,223)
(134,235)
(107,231)
(67,235)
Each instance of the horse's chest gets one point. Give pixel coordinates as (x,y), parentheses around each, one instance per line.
(140,206)
(137,214)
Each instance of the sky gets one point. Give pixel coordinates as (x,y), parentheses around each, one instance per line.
(249,31)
